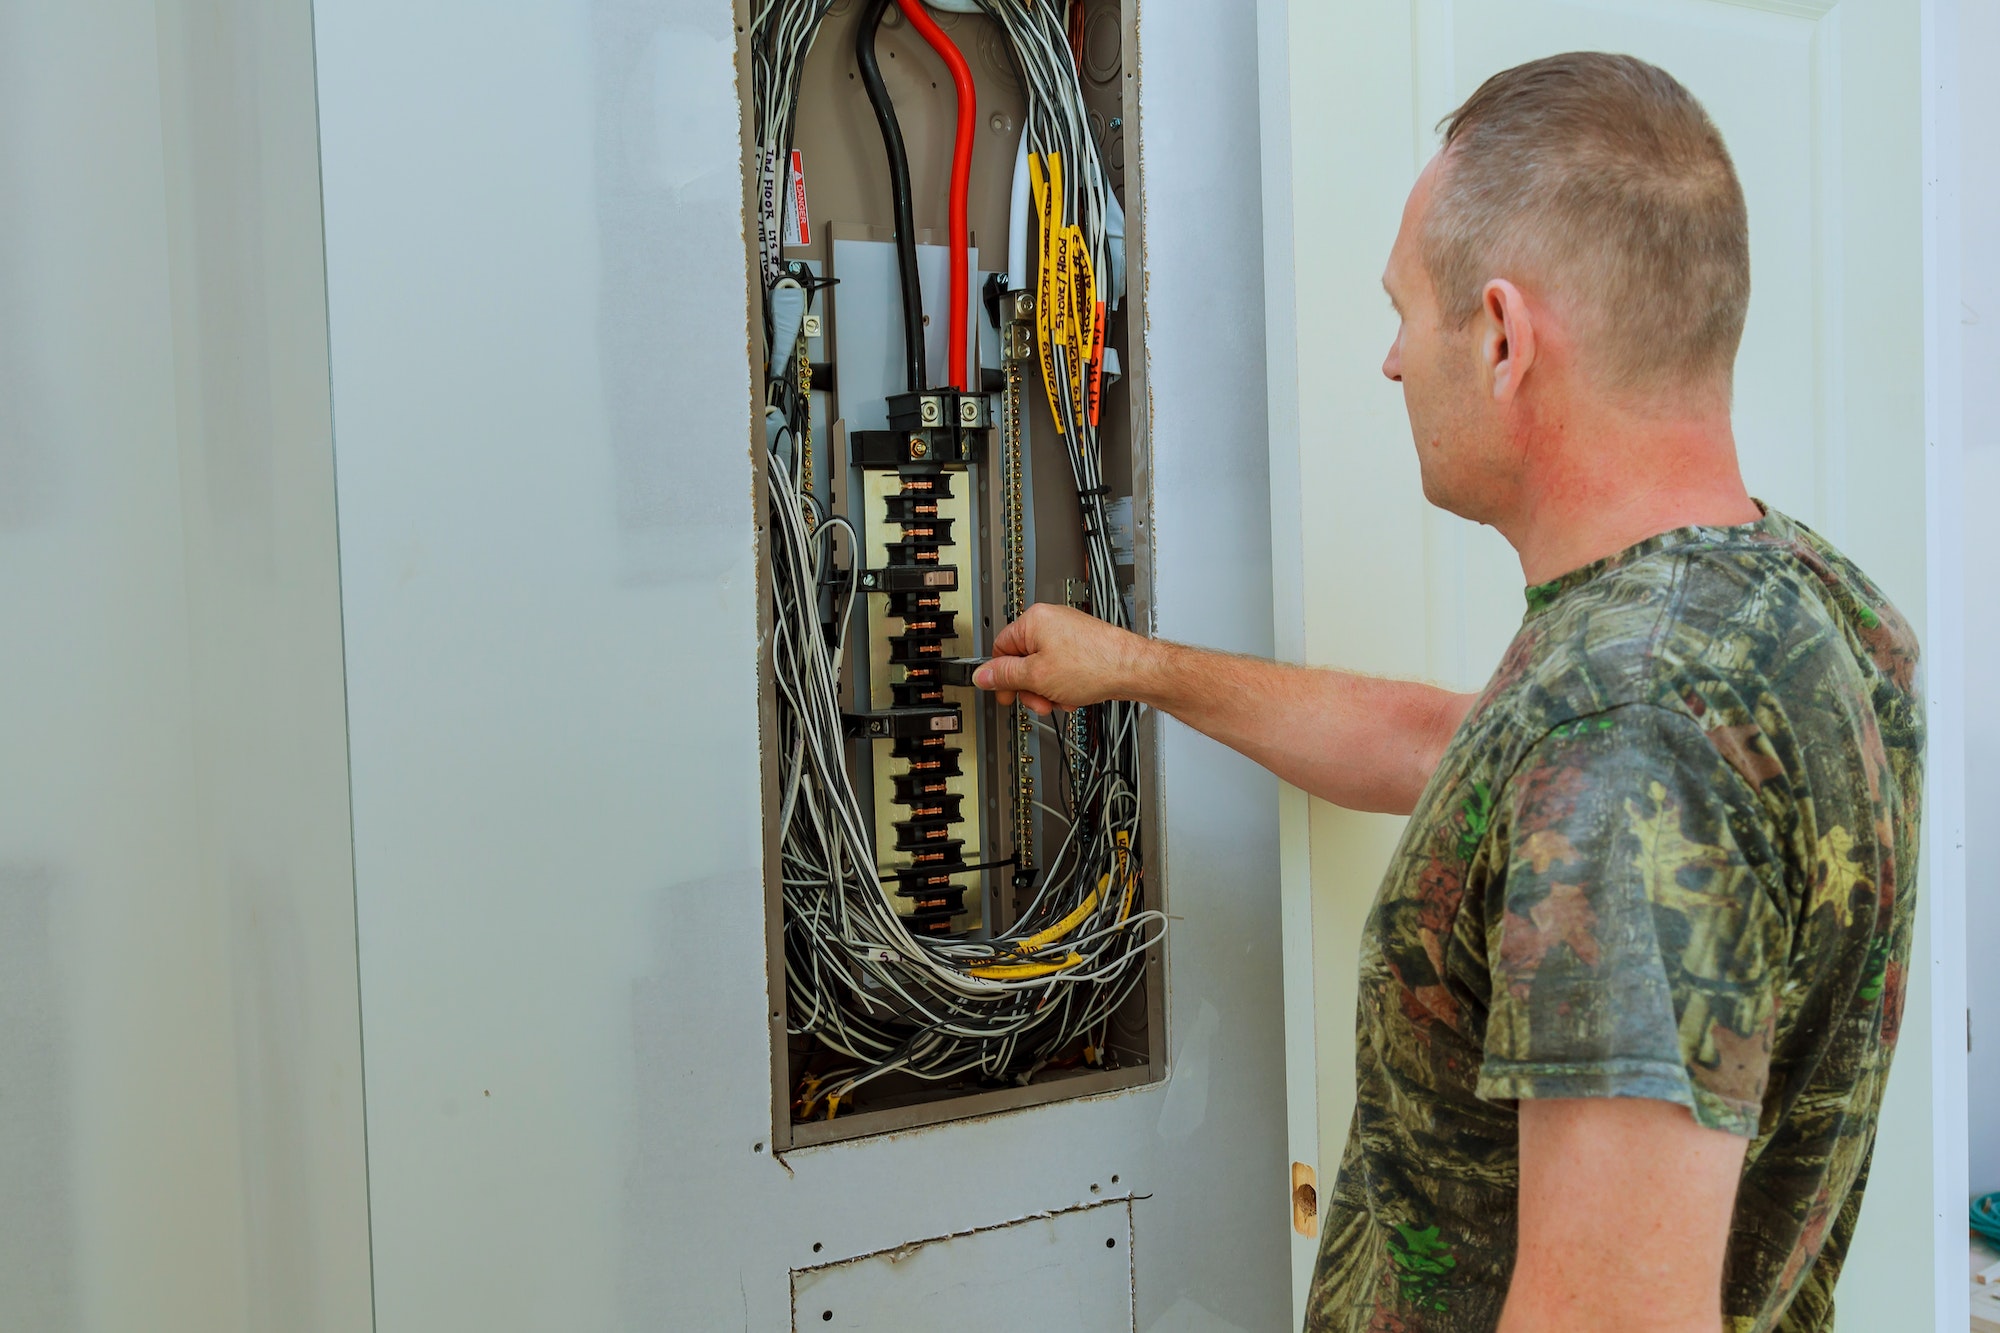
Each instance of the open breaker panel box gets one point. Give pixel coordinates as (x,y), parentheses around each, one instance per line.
(964,899)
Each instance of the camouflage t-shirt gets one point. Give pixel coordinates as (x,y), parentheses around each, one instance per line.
(1671,853)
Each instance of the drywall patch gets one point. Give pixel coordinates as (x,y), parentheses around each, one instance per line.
(1070,1270)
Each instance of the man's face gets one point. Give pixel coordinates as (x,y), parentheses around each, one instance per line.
(1461,446)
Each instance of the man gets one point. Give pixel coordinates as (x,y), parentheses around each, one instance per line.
(1631,984)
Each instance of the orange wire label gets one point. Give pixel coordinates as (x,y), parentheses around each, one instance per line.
(1097,364)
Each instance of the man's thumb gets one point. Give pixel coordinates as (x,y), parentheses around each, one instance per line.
(1002,673)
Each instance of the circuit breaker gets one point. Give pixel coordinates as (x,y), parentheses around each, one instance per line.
(963,913)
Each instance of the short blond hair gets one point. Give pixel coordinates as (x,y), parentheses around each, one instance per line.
(1601,180)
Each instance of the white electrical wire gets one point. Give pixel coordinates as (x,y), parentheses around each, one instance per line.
(1017,219)
(857,979)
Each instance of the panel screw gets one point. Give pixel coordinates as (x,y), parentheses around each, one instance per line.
(919,447)
(867,580)
(1025,303)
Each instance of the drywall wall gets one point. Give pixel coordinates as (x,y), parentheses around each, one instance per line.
(541,386)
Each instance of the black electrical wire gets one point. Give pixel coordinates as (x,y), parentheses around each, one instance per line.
(857,982)
(899,190)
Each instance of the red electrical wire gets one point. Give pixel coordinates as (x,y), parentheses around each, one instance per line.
(961,180)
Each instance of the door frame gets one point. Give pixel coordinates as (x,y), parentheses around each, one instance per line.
(1281,359)
(1944,594)
(1944,610)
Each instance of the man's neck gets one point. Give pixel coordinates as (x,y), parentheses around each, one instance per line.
(1628,477)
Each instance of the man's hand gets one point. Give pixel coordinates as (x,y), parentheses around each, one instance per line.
(1359,742)
(1625,1210)
(1058,657)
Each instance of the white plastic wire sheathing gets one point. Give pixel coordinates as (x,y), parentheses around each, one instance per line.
(857,980)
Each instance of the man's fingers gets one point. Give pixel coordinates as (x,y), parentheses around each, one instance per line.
(1011,641)
(1009,680)
(1002,673)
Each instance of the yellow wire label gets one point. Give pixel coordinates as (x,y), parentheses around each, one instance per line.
(1081,292)
(1069,319)
(1046,183)
(1022,971)
(1062,297)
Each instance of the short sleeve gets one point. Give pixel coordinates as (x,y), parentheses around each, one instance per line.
(1633,946)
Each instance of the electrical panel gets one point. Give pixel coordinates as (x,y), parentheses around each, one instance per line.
(965,900)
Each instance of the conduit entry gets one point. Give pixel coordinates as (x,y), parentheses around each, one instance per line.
(962,888)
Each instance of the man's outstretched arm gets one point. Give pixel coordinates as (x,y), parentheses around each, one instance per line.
(1358,741)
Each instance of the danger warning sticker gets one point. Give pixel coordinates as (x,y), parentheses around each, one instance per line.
(798,231)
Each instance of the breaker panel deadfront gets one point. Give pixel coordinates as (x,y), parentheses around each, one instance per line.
(965,905)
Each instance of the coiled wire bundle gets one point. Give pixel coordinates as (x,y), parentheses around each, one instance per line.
(857,980)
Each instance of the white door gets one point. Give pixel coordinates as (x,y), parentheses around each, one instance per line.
(1823,106)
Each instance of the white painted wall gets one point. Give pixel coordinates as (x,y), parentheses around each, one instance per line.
(180,1141)
(1979,48)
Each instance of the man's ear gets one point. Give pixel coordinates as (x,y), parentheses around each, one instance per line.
(1507,338)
